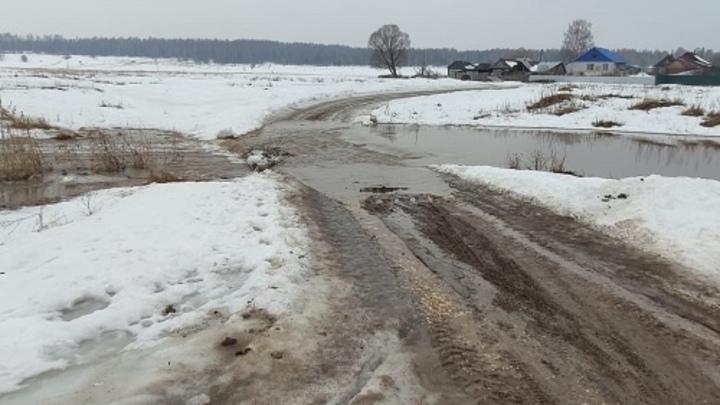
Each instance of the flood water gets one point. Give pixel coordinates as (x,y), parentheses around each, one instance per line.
(589,154)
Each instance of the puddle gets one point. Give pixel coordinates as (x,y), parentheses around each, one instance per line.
(348,182)
(602,155)
(72,171)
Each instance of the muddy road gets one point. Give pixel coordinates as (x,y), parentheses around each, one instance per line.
(516,303)
(424,289)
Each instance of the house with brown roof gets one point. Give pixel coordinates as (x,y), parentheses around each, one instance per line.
(687,64)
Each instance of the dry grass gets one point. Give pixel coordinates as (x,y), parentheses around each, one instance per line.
(606,124)
(514,161)
(711,120)
(568,110)
(105,104)
(694,111)
(550,100)
(108,154)
(652,103)
(539,161)
(606,96)
(703,143)
(235,146)
(115,153)
(21,158)
(22,122)
(568,87)
(164,176)
(148,156)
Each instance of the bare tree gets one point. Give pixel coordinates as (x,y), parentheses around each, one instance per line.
(389,48)
(578,38)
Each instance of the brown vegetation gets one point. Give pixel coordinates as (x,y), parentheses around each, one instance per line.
(588,97)
(234,146)
(568,87)
(568,110)
(21,158)
(651,104)
(105,104)
(115,153)
(712,119)
(550,100)
(606,124)
(694,111)
(539,161)
(20,121)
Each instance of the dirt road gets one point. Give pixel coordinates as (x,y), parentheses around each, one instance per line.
(518,304)
(441,292)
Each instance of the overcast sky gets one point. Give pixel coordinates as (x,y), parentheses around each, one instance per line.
(462,24)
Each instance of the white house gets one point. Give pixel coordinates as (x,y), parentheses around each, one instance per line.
(597,62)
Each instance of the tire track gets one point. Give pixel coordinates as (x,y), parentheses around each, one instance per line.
(604,345)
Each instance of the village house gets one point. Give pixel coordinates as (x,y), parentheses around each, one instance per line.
(598,62)
(551,69)
(688,64)
(468,71)
(458,68)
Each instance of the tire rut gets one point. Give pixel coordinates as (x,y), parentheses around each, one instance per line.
(603,346)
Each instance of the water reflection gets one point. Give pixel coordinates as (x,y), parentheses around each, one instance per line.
(594,154)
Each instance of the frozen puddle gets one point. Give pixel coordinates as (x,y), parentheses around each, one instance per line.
(108,305)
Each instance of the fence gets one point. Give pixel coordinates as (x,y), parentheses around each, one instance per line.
(644,80)
(703,80)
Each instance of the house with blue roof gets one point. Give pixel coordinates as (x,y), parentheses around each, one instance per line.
(598,62)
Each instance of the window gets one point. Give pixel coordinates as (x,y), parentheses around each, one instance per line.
(590,66)
(606,66)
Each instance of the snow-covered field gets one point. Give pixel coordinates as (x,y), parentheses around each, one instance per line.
(200,100)
(139,265)
(594,102)
(677,218)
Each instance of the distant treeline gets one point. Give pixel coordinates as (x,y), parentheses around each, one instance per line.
(259,51)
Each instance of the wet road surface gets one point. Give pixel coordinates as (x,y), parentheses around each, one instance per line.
(518,304)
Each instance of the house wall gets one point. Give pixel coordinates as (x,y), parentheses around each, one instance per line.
(454,73)
(674,68)
(583,69)
(642,80)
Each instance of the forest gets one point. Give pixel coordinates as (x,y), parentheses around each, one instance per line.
(250,51)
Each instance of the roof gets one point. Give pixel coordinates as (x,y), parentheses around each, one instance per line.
(549,66)
(597,54)
(665,61)
(693,60)
(482,67)
(459,64)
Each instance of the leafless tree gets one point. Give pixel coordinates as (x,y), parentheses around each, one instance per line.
(389,48)
(578,38)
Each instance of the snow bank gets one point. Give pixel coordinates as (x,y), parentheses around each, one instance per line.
(200,100)
(677,218)
(140,263)
(508,108)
